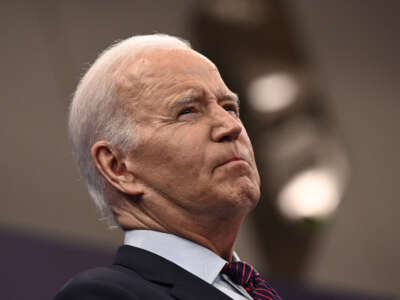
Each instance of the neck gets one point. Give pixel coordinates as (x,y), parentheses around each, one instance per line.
(215,233)
(218,236)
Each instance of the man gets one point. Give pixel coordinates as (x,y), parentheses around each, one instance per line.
(158,139)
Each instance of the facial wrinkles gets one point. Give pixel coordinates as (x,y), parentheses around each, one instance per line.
(156,72)
(169,68)
(163,81)
(188,166)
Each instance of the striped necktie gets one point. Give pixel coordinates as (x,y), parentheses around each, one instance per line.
(246,276)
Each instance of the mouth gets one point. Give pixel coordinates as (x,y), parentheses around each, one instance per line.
(230,160)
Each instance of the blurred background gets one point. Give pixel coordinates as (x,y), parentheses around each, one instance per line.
(319,88)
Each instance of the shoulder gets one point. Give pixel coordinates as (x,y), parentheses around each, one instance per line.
(113,282)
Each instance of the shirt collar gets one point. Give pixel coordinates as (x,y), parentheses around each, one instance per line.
(190,256)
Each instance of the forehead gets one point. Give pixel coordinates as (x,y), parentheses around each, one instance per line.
(162,75)
(163,67)
(174,61)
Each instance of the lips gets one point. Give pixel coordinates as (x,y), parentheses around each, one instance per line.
(226,161)
(232,159)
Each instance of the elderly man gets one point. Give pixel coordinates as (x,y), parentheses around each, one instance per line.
(159,141)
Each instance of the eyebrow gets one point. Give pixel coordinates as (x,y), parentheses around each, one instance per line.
(193,99)
(183,102)
(233,97)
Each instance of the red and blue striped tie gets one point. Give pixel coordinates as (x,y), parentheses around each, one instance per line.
(246,276)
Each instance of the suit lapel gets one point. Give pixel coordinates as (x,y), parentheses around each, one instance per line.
(196,289)
(152,267)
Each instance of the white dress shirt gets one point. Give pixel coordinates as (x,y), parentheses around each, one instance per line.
(190,256)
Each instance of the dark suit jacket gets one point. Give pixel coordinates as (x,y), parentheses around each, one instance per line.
(138,274)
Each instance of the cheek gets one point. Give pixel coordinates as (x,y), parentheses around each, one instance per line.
(246,138)
(174,157)
(251,155)
(248,145)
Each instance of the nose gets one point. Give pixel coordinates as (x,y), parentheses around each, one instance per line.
(225,126)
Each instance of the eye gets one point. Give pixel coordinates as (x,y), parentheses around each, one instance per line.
(232,108)
(188,113)
(185,111)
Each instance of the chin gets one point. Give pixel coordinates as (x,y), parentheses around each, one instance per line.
(250,197)
(246,198)
(238,196)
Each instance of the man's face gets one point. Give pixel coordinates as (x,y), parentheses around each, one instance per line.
(194,154)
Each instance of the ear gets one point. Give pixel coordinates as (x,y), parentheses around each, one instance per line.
(111,165)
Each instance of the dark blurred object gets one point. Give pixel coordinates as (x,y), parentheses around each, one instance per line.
(302,162)
(293,291)
(34,268)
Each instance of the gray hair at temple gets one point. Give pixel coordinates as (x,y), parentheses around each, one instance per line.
(99,112)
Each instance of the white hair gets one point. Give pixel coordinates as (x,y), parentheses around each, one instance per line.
(97,113)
